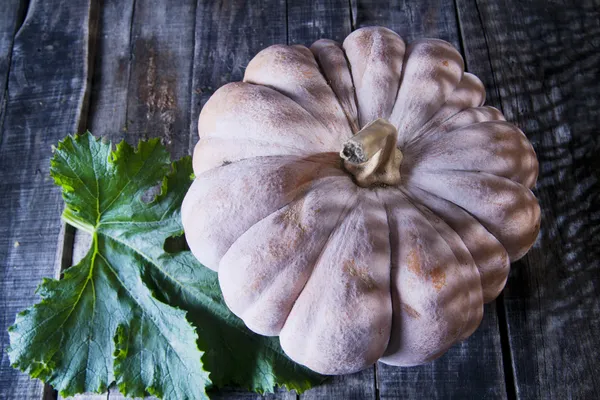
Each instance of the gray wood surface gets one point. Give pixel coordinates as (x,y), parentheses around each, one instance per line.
(46,99)
(308,22)
(11,18)
(546,64)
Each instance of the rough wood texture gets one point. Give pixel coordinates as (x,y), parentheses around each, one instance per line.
(546,65)
(538,60)
(322,19)
(237,394)
(158,103)
(410,19)
(473,368)
(108,101)
(46,100)
(10,19)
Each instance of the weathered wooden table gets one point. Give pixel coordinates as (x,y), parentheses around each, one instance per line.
(137,69)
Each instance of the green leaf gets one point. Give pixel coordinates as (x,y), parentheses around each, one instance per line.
(101,323)
(117,315)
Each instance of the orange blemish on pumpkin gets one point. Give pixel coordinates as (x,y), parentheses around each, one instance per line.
(411,311)
(359,272)
(437,274)
(438,277)
(414,262)
(292,216)
(445,63)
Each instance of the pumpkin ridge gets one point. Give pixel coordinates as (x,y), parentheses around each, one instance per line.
(267,89)
(389,222)
(419,133)
(467,322)
(308,157)
(341,217)
(301,191)
(479,268)
(291,96)
(353,128)
(319,182)
(526,191)
(421,140)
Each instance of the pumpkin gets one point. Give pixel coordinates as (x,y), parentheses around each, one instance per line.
(358,200)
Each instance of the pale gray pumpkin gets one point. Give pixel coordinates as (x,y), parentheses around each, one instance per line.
(359,201)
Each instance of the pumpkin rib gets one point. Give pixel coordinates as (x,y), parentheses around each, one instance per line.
(432,124)
(433,67)
(309,157)
(270,111)
(500,142)
(313,332)
(242,313)
(376,70)
(470,322)
(514,254)
(292,90)
(341,218)
(505,271)
(441,129)
(301,193)
(424,348)
(318,173)
(319,58)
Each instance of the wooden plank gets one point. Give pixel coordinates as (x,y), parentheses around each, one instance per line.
(322,19)
(358,386)
(159,94)
(10,19)
(238,394)
(308,22)
(546,64)
(108,101)
(46,100)
(473,368)
(410,19)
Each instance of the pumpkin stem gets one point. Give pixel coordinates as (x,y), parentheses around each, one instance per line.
(372,156)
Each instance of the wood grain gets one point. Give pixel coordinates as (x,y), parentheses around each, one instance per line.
(159,93)
(473,368)
(321,19)
(546,64)
(10,20)
(410,19)
(46,99)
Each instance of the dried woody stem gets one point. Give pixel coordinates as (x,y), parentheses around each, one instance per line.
(372,156)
